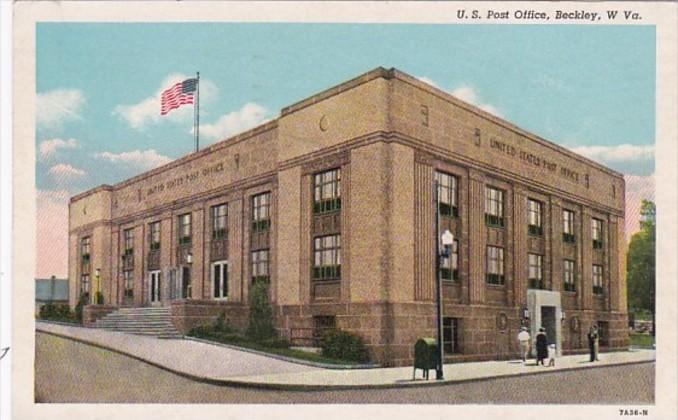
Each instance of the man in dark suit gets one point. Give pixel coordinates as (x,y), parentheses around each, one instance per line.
(593,338)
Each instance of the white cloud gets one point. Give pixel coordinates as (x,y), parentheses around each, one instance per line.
(136,159)
(618,153)
(469,94)
(48,148)
(65,172)
(250,115)
(147,111)
(638,188)
(428,81)
(55,107)
(625,158)
(52,233)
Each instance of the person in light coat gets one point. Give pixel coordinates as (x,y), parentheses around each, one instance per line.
(552,355)
(524,340)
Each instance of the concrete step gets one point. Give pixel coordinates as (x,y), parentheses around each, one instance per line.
(146,331)
(134,323)
(136,319)
(153,321)
(133,326)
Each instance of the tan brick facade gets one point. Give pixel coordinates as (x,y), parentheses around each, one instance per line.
(387,134)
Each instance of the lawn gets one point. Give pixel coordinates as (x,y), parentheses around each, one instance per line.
(643,340)
(242,341)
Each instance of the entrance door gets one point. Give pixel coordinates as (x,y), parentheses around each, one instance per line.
(548,321)
(220,280)
(185,282)
(154,287)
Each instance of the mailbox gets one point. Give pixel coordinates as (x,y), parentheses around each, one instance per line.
(425,356)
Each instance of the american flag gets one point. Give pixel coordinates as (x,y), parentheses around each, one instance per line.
(179,94)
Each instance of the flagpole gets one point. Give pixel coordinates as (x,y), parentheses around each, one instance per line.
(196,117)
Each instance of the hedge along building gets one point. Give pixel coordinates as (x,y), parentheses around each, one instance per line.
(332,204)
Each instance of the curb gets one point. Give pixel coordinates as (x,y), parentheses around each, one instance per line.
(317,387)
(67,324)
(285,358)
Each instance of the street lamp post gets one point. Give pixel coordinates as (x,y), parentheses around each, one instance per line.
(447,239)
(189,288)
(97,274)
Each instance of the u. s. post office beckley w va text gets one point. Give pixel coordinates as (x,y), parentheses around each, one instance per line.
(332,205)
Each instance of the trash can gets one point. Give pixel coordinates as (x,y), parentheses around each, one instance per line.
(425,356)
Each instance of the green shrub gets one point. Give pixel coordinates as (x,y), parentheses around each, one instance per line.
(276,343)
(220,324)
(260,326)
(201,331)
(230,337)
(99,297)
(344,345)
(82,301)
(57,312)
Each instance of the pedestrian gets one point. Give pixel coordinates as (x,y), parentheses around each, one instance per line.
(552,355)
(542,346)
(596,342)
(593,339)
(524,340)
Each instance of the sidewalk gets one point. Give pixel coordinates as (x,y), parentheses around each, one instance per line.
(219,365)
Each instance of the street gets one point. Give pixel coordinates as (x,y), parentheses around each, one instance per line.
(67,371)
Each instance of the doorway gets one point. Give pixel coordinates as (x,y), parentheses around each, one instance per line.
(154,287)
(548,322)
(544,310)
(186,282)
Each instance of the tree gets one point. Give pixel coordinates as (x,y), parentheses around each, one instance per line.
(641,263)
(260,326)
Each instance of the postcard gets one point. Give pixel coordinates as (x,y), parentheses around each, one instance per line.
(294,209)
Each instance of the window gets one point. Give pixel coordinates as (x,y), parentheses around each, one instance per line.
(534,219)
(535,273)
(128,240)
(322,325)
(327,257)
(261,204)
(154,236)
(568,226)
(494,265)
(260,266)
(449,266)
(451,335)
(128,280)
(568,276)
(494,207)
(85,249)
(84,284)
(220,280)
(447,194)
(219,215)
(597,279)
(128,248)
(184,229)
(327,191)
(597,233)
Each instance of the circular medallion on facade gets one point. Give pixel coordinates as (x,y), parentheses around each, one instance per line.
(324,123)
(574,324)
(502,321)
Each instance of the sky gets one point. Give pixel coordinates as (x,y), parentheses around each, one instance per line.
(588,88)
